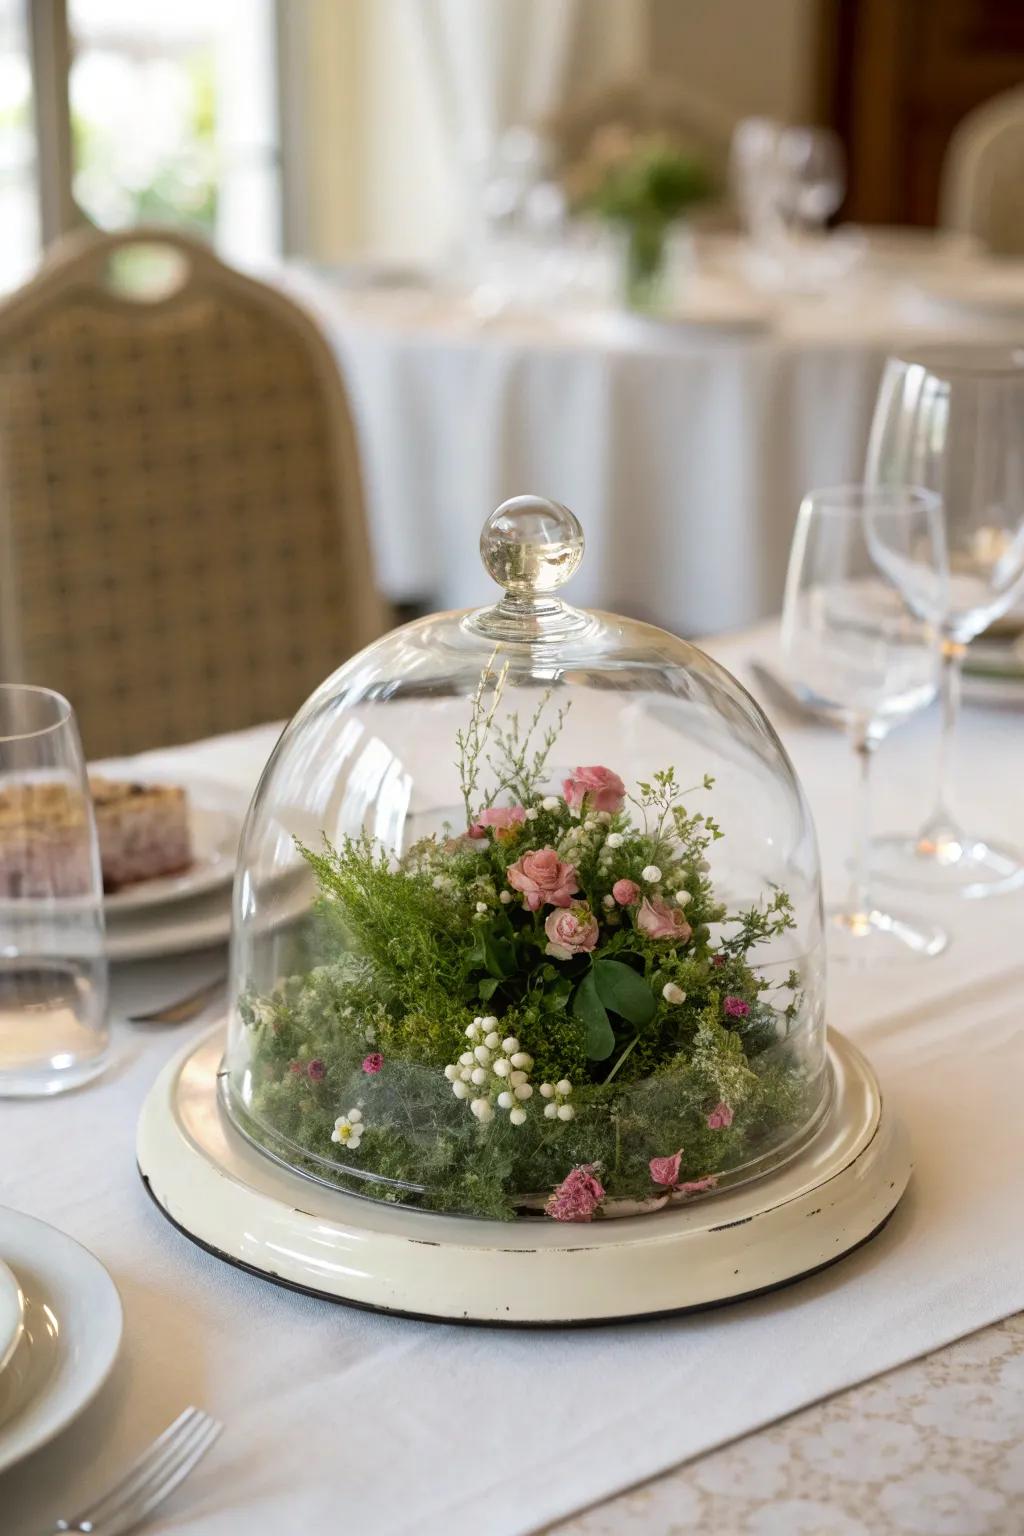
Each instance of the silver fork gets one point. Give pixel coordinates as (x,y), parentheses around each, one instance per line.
(150,1479)
(184,1008)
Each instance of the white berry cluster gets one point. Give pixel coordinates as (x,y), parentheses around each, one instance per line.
(556,1094)
(493,1071)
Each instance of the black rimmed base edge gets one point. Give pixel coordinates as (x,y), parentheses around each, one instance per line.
(480,1322)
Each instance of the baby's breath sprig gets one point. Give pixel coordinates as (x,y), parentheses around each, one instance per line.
(515,768)
(471,742)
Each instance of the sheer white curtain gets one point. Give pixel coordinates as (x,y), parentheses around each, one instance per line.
(502,64)
(496,64)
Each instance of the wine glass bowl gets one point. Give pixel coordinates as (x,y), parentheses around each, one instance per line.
(952,419)
(852,641)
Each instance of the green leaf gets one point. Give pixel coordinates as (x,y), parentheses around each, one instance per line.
(488,987)
(600,1039)
(621,989)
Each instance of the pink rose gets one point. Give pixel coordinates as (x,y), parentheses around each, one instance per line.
(660,921)
(735,1008)
(571,931)
(665,1170)
(625,892)
(577,1197)
(599,787)
(720,1117)
(373,1063)
(501,817)
(544,879)
(316,1071)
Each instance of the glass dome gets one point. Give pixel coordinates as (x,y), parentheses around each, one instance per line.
(528,915)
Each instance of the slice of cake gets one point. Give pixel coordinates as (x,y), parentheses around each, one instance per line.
(45,844)
(143,831)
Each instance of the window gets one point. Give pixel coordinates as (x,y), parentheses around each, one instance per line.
(165,112)
(19,203)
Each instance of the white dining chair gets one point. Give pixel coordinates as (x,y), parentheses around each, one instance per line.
(982,190)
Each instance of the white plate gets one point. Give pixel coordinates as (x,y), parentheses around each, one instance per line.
(12,1312)
(71,1337)
(173,930)
(215,820)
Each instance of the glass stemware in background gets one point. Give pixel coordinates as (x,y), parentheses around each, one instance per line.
(952,419)
(849,638)
(812,170)
(53,972)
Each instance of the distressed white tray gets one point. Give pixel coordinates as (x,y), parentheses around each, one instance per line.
(245,1208)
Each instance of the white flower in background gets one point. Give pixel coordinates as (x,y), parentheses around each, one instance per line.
(682,897)
(673,994)
(614,840)
(262,1011)
(348,1130)
(651,873)
(608,901)
(481,906)
(482,1109)
(531,814)
(556,1095)
(604,817)
(550,803)
(505,898)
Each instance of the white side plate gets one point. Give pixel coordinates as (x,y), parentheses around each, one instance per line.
(217,1188)
(174,930)
(70,1339)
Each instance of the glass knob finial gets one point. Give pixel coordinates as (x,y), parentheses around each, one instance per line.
(530,545)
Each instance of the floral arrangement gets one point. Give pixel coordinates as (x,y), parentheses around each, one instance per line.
(643,183)
(545,1010)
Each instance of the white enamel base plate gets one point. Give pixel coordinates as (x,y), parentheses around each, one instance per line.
(70,1338)
(219,1190)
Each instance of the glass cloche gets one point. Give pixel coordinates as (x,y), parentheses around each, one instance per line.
(528,915)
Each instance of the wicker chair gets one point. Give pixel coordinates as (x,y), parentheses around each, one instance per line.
(983,175)
(182,540)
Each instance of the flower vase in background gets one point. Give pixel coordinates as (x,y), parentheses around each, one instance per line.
(644,185)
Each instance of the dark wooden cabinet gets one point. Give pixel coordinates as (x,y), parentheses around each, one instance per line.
(898,76)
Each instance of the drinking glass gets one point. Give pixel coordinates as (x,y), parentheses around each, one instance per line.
(53,973)
(852,642)
(952,419)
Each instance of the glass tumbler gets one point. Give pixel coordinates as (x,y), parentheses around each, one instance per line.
(53,969)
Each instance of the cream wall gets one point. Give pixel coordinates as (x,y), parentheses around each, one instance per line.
(373,162)
(750,57)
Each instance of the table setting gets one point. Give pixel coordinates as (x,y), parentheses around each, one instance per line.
(572,980)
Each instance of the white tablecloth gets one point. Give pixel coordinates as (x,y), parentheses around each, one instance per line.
(683,450)
(338,1419)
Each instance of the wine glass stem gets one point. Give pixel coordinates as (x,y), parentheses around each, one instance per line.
(951,654)
(864,747)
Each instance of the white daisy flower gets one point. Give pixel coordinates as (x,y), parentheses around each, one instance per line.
(348,1130)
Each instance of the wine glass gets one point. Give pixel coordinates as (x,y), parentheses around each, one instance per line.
(53,971)
(813,172)
(850,639)
(952,419)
